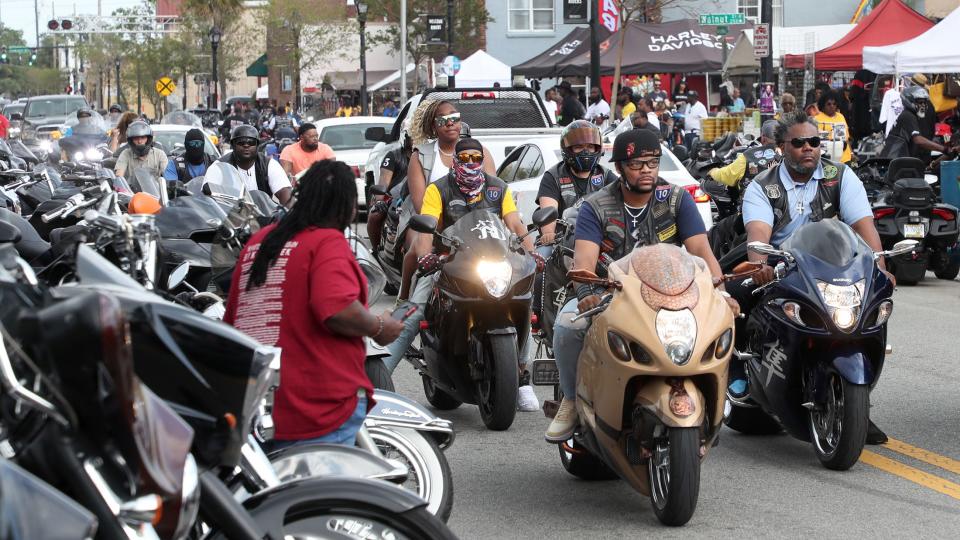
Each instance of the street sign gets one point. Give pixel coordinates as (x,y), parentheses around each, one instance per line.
(165,86)
(761,40)
(723,30)
(21,50)
(436,29)
(717,19)
(575,11)
(450,66)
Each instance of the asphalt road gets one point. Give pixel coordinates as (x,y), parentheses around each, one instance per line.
(511,484)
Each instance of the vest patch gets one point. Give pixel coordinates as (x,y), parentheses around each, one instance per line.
(667,233)
(773,191)
(830,172)
(566,180)
(493,194)
(830,184)
(769,153)
(457,202)
(662,193)
(597,180)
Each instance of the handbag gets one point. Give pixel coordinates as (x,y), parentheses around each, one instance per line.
(940,99)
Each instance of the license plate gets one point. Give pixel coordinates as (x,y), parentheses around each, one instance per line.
(545,372)
(913,230)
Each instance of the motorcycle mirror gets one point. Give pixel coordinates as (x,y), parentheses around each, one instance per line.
(681,152)
(545,216)
(178,275)
(378,190)
(424,224)
(901,247)
(765,249)
(376,134)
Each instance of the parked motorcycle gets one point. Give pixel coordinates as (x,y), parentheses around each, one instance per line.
(650,378)
(478,316)
(33,508)
(816,341)
(391,250)
(911,211)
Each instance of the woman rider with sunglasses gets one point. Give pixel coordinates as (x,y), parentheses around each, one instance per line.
(436,130)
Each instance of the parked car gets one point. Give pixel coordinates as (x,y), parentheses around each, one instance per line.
(346,137)
(525,165)
(43,115)
(14,113)
(170,138)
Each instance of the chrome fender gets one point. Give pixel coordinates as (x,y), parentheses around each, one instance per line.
(394,410)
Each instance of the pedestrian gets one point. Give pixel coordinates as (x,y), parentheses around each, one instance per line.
(570,109)
(346,108)
(831,120)
(680,93)
(788,104)
(737,106)
(390,108)
(296,158)
(625,101)
(693,115)
(550,103)
(645,107)
(658,95)
(599,110)
(297,286)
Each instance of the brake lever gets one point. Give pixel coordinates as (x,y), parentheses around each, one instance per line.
(604,303)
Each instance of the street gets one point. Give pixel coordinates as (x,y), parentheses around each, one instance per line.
(511,484)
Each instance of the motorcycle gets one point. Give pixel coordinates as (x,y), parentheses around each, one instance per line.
(650,378)
(816,340)
(478,316)
(391,250)
(911,211)
(33,508)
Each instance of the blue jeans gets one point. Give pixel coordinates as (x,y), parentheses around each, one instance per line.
(567,343)
(346,434)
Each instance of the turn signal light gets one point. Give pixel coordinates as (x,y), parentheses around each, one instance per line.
(881,213)
(944,214)
(618,346)
(697,194)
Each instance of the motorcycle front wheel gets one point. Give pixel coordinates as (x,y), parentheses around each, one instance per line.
(674,471)
(429,473)
(497,392)
(838,427)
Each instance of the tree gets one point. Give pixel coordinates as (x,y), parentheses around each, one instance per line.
(199,16)
(470,18)
(11,37)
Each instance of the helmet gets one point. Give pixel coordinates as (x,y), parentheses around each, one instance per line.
(116,108)
(244,131)
(912,97)
(581,132)
(140,129)
(84,112)
(465,130)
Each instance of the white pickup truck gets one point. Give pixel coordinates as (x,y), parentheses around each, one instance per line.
(503,119)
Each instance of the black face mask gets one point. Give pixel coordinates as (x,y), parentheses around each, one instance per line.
(194,155)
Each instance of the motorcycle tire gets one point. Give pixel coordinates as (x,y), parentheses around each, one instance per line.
(429,471)
(438,398)
(581,463)
(497,393)
(332,514)
(379,375)
(751,421)
(854,420)
(948,271)
(675,485)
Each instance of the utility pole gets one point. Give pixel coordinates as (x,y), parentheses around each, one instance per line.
(36,20)
(403,52)
(451,80)
(595,49)
(766,63)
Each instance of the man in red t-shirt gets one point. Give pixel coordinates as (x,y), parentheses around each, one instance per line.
(308,297)
(299,157)
(4,126)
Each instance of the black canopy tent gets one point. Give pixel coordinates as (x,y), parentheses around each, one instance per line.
(555,61)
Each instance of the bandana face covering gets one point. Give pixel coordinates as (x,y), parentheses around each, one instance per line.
(469,177)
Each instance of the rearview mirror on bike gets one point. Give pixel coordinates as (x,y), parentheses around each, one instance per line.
(901,247)
(424,224)
(545,216)
(768,250)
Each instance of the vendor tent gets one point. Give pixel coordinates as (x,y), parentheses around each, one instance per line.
(890,22)
(556,60)
(741,61)
(480,70)
(388,81)
(934,51)
(786,40)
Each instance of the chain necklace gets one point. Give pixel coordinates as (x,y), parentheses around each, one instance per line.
(634,217)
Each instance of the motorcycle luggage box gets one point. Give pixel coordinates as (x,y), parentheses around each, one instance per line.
(913,193)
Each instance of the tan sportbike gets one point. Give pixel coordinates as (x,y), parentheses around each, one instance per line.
(651,378)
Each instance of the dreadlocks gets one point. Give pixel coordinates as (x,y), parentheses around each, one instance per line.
(326,197)
(423,127)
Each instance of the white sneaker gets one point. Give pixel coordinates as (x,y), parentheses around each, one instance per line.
(564,423)
(527,400)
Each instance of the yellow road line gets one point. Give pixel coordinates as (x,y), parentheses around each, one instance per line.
(916,476)
(925,456)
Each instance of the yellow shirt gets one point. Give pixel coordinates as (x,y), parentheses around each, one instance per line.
(345,112)
(732,173)
(433,204)
(627,110)
(826,123)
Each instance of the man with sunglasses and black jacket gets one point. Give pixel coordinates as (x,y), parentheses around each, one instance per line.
(258,171)
(193,162)
(804,188)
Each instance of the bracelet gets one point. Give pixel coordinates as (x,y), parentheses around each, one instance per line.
(380,330)
(725,294)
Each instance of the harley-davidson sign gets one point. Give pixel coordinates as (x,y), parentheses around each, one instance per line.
(682,40)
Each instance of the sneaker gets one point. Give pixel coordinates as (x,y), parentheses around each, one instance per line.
(561,429)
(527,400)
(875,435)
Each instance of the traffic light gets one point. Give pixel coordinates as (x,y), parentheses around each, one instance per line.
(3,56)
(33,57)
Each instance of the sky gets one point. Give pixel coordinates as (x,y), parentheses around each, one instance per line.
(19,14)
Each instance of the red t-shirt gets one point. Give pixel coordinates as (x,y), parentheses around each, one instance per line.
(315,277)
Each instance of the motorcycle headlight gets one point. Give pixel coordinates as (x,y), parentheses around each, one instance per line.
(843,302)
(14,132)
(93,155)
(78,156)
(496,276)
(46,145)
(677,331)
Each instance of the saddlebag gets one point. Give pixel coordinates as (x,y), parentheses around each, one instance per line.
(913,193)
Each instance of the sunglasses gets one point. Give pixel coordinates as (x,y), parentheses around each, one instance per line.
(639,164)
(194,144)
(245,142)
(470,158)
(446,120)
(798,142)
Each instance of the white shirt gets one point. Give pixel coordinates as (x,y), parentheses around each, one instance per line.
(653,119)
(693,115)
(598,109)
(439,170)
(551,106)
(276,177)
(891,109)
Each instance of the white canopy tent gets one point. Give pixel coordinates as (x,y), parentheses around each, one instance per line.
(411,68)
(934,51)
(480,70)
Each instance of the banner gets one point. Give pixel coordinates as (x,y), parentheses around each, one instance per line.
(609,14)
(436,29)
(575,11)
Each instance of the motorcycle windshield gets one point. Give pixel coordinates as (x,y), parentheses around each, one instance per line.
(24,497)
(830,240)
(483,234)
(184,216)
(145,182)
(93,269)
(229,185)
(182,118)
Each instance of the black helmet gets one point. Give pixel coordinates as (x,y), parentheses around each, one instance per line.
(140,129)
(116,108)
(576,133)
(244,131)
(912,98)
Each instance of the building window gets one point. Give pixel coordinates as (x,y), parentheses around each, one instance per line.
(530,15)
(750,9)
(777,19)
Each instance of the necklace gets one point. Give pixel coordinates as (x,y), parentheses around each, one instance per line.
(444,153)
(634,217)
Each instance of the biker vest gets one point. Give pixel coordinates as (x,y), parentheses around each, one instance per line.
(659,224)
(567,182)
(825,205)
(455,204)
(759,159)
(183,175)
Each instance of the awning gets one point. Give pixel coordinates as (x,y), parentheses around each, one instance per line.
(411,68)
(890,22)
(934,51)
(350,80)
(554,61)
(258,68)
(741,60)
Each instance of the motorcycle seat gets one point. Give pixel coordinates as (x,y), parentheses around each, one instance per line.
(30,246)
(905,167)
